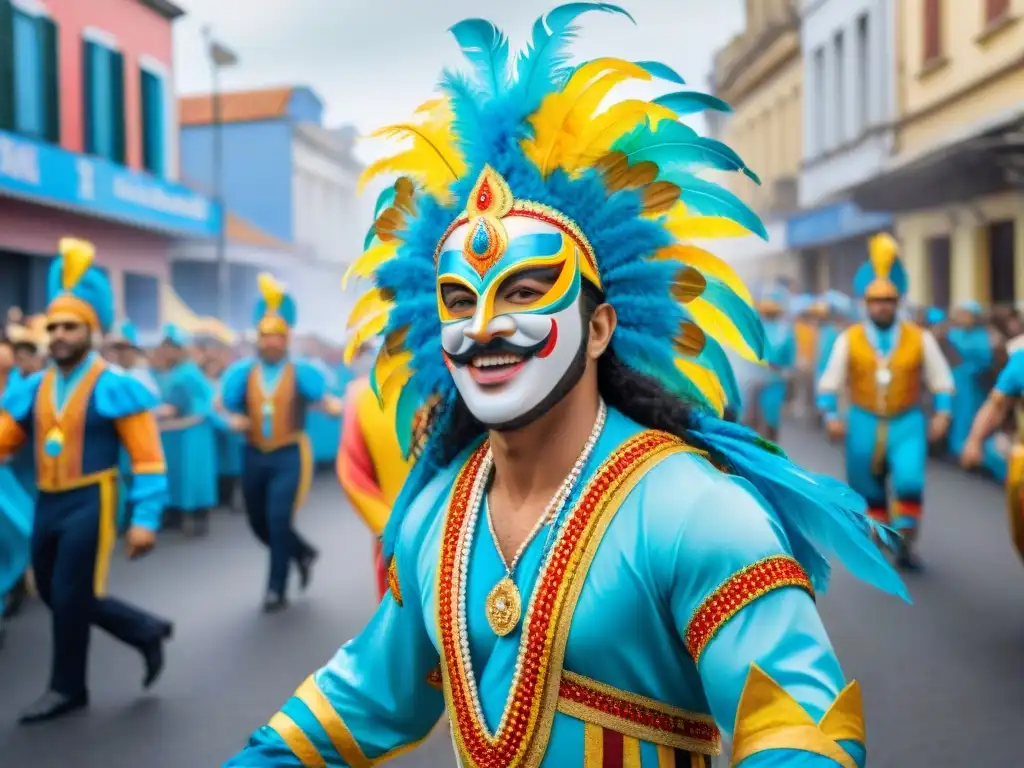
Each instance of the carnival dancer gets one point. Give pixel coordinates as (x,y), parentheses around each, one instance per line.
(76,415)
(549,582)
(267,398)
(884,365)
(839,314)
(773,380)
(126,352)
(187,431)
(969,338)
(371,464)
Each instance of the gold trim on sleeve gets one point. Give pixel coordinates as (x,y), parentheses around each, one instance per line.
(297,741)
(344,742)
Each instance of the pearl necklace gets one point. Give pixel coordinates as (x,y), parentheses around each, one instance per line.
(462,551)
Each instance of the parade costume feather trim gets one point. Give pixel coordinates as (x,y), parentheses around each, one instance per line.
(621,179)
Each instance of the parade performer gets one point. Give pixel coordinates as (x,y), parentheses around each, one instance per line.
(127,353)
(839,313)
(884,364)
(586,565)
(371,465)
(969,337)
(15,514)
(780,356)
(76,415)
(267,398)
(979,449)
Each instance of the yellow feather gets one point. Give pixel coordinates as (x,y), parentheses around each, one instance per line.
(384,368)
(598,135)
(883,250)
(705,381)
(706,228)
(370,303)
(433,157)
(368,262)
(271,290)
(719,327)
(394,382)
(708,264)
(76,258)
(369,328)
(563,115)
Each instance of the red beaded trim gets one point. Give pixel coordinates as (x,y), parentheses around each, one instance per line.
(739,591)
(393,587)
(637,716)
(509,745)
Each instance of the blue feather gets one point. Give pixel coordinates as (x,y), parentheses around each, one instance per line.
(368,240)
(742,315)
(656,361)
(540,67)
(486,47)
(692,102)
(661,71)
(713,358)
(819,514)
(675,145)
(708,199)
(409,401)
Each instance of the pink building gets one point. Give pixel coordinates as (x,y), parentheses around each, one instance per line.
(88,147)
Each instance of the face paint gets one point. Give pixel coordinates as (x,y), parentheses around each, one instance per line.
(508,356)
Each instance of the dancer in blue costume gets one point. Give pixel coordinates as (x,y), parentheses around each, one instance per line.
(15,514)
(187,430)
(840,313)
(780,357)
(76,415)
(970,339)
(549,583)
(267,397)
(127,352)
(885,364)
(230,444)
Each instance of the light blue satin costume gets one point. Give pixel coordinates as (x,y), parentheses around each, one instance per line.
(781,356)
(841,311)
(312,380)
(325,429)
(16,513)
(229,442)
(660,558)
(189,439)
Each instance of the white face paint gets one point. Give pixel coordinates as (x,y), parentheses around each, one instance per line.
(538,345)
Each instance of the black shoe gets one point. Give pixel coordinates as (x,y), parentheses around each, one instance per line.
(52,705)
(305,565)
(153,656)
(906,560)
(274,602)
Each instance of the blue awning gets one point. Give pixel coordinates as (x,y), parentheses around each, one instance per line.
(832,223)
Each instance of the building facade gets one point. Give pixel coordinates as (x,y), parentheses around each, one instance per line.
(955,182)
(759,74)
(88,147)
(848,115)
(290,182)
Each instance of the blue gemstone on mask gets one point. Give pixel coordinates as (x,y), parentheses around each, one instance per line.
(481,238)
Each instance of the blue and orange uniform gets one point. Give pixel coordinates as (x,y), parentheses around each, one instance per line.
(277,466)
(76,423)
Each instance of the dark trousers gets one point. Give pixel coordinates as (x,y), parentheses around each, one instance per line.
(272,485)
(72,541)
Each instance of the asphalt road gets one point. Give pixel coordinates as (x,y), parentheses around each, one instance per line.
(942,678)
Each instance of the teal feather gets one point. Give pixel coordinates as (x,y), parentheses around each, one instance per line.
(661,71)
(540,67)
(713,358)
(743,316)
(384,199)
(675,145)
(706,198)
(664,372)
(642,136)
(409,402)
(368,240)
(692,102)
(486,47)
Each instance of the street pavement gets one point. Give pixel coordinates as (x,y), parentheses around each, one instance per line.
(942,678)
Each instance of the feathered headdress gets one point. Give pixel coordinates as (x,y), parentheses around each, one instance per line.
(620,180)
(275,310)
(621,183)
(77,289)
(882,276)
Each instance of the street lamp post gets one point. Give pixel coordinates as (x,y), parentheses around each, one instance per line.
(220,57)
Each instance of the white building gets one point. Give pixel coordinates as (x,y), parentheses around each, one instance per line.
(850,107)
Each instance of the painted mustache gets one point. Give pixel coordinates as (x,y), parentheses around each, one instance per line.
(499,345)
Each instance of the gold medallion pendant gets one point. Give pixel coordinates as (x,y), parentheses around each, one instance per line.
(504,607)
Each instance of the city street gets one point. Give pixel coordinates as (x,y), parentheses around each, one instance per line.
(941,678)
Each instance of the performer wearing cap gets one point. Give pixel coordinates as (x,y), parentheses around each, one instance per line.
(884,364)
(371,465)
(587,566)
(76,415)
(125,350)
(780,355)
(268,397)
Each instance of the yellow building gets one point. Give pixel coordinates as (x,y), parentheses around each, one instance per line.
(955,182)
(760,76)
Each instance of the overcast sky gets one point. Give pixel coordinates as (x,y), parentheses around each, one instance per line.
(372,63)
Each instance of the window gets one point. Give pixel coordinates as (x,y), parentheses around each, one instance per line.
(932,30)
(817,106)
(103,72)
(28,73)
(838,83)
(996,10)
(863,99)
(142,300)
(153,122)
